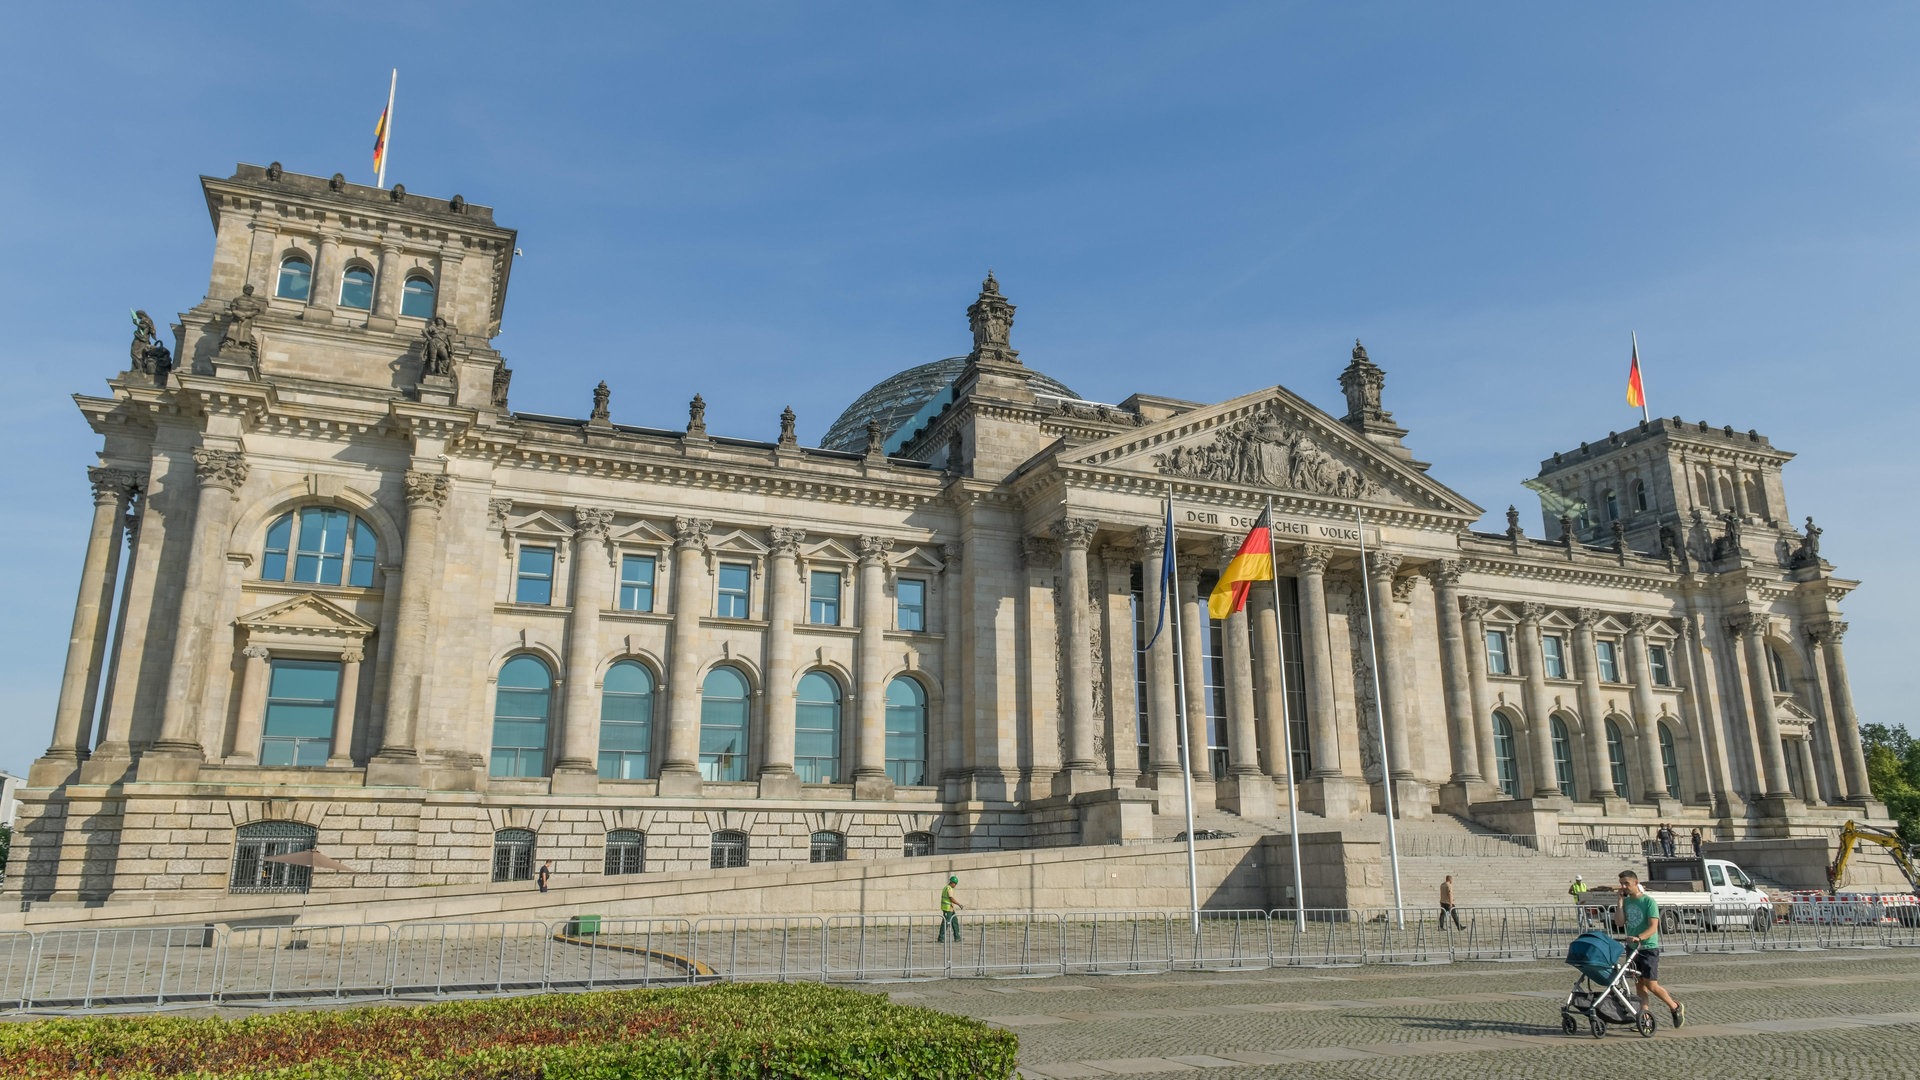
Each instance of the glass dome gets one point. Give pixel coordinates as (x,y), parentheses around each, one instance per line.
(895,400)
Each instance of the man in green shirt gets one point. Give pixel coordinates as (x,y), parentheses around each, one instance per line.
(1578,890)
(948,920)
(1639,916)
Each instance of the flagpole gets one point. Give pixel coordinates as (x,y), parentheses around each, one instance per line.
(1380,719)
(386,139)
(1180,692)
(1286,736)
(1644,413)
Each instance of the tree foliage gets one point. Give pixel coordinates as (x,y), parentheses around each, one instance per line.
(1893,772)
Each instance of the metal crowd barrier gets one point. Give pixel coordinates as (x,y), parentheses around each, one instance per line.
(85,969)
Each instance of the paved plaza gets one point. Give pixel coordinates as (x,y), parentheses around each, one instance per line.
(1751,1016)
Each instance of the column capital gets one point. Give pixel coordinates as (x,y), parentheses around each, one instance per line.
(1446,573)
(111,485)
(256,652)
(1474,607)
(353,656)
(1313,559)
(1827,633)
(1640,622)
(427,491)
(952,555)
(1585,618)
(1075,533)
(1383,565)
(1153,537)
(785,542)
(1532,613)
(220,468)
(690,532)
(873,549)
(592,522)
(1038,550)
(1747,624)
(497,511)
(1122,551)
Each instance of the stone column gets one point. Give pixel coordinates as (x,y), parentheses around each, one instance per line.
(1163,724)
(1803,756)
(1316,654)
(953,698)
(1474,614)
(340,754)
(1592,707)
(1192,625)
(220,474)
(1751,629)
(87,643)
(1080,771)
(396,762)
(1546,785)
(255,678)
(1267,660)
(777,778)
(1846,726)
(1243,740)
(1646,715)
(1116,662)
(327,265)
(1455,675)
(386,299)
(1393,663)
(680,771)
(575,768)
(870,779)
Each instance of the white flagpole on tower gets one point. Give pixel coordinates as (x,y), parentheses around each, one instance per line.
(386,130)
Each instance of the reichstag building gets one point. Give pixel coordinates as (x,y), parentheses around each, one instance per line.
(338,592)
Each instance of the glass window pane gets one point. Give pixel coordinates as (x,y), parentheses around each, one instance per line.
(906,732)
(416,298)
(273,564)
(1497,652)
(823,599)
(533,584)
(1551,650)
(296,279)
(366,550)
(734,580)
(356,288)
(912,604)
(626,722)
(1609,666)
(636,583)
(723,726)
(520,718)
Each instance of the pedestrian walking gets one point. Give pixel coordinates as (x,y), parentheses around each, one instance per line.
(546,871)
(1639,914)
(948,905)
(1446,905)
(1695,837)
(1578,890)
(1668,839)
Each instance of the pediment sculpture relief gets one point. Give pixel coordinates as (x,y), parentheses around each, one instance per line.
(1265,451)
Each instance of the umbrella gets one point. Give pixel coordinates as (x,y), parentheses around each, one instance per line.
(310,858)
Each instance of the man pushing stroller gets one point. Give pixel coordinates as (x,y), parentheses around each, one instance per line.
(1638,915)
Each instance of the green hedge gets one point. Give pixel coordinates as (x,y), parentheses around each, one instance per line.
(734,1032)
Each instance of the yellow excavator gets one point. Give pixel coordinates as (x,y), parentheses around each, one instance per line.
(1856,833)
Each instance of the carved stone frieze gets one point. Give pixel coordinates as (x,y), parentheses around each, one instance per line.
(220,468)
(1267,450)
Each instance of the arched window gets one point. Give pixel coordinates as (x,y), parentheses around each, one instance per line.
(1562,756)
(1670,760)
(626,852)
(917,844)
(521,707)
(254,843)
(1640,504)
(816,729)
(728,849)
(356,288)
(1777,669)
(1503,757)
(723,726)
(906,732)
(1613,505)
(330,547)
(416,297)
(827,847)
(1617,759)
(513,855)
(296,279)
(626,722)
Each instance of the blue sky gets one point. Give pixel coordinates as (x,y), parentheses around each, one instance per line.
(780,204)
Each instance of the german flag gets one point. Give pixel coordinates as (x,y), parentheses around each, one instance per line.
(1253,562)
(1636,390)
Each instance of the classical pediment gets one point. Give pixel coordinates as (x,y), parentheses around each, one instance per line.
(308,616)
(1274,442)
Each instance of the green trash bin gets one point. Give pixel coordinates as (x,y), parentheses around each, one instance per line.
(583,925)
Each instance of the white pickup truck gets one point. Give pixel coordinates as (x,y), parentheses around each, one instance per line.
(1708,894)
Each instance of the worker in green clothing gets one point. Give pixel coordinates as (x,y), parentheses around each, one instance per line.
(1639,915)
(948,920)
(1578,890)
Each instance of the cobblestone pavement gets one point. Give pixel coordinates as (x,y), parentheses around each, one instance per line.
(1800,1015)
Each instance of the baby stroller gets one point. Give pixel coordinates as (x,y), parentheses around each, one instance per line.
(1603,993)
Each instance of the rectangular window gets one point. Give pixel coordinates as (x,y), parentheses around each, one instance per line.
(636,583)
(910,604)
(1497,653)
(533,579)
(1609,663)
(735,580)
(823,598)
(1554,651)
(1657,660)
(302,696)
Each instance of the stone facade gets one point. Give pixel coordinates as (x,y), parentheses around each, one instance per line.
(930,642)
